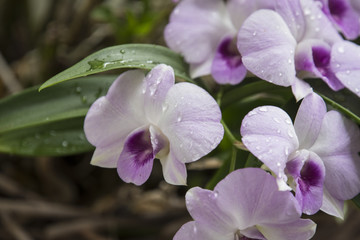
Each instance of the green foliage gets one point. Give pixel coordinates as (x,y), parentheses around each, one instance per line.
(144,56)
(50,122)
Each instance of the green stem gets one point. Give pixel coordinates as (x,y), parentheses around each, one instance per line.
(233,159)
(235,142)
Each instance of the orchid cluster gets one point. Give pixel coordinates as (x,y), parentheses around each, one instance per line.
(310,162)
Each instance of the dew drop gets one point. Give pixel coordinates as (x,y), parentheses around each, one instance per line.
(276,119)
(122,51)
(252,113)
(179,118)
(65,144)
(288,121)
(263,109)
(347,72)
(257,147)
(290,133)
(341,49)
(278,164)
(254,33)
(149,61)
(286,151)
(280,74)
(78,90)
(278,131)
(289,61)
(357,90)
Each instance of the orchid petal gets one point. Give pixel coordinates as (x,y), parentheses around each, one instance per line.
(337,145)
(313,56)
(111,118)
(195,231)
(256,201)
(332,206)
(174,171)
(300,89)
(268,133)
(292,14)
(192,124)
(136,160)
(108,156)
(318,26)
(197,43)
(308,171)
(239,10)
(301,229)
(227,67)
(309,119)
(267,47)
(345,63)
(158,82)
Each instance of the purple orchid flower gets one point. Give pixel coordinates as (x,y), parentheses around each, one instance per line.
(142,118)
(203,31)
(344,15)
(317,156)
(244,205)
(294,41)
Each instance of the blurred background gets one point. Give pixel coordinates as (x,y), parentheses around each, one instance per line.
(66,197)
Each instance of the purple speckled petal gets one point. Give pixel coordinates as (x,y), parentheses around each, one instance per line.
(255,200)
(301,229)
(268,133)
(112,117)
(227,67)
(136,160)
(309,119)
(308,171)
(313,56)
(196,35)
(338,147)
(191,122)
(157,83)
(345,58)
(267,47)
(332,205)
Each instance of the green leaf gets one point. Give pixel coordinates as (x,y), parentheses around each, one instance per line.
(356,200)
(50,122)
(144,56)
(344,101)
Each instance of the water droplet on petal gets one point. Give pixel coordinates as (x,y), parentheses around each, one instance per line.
(276,119)
(341,49)
(251,113)
(288,121)
(122,51)
(290,133)
(263,109)
(278,164)
(347,72)
(254,33)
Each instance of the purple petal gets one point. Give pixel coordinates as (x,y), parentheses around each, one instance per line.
(291,12)
(267,47)
(268,133)
(313,56)
(194,34)
(308,171)
(256,201)
(174,171)
(338,147)
(111,118)
(240,10)
(345,63)
(203,207)
(227,67)
(309,119)
(301,229)
(136,160)
(345,17)
(318,26)
(332,205)
(108,156)
(195,231)
(300,89)
(191,122)
(157,83)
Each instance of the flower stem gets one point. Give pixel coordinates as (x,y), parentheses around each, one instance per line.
(233,159)
(236,143)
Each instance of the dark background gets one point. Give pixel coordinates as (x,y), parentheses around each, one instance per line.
(66,197)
